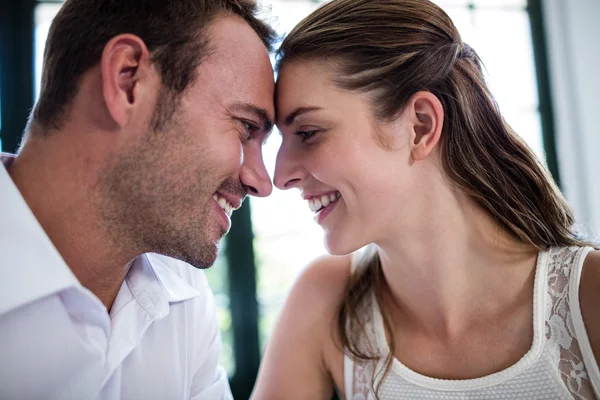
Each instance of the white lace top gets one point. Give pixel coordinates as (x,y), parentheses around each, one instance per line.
(559,365)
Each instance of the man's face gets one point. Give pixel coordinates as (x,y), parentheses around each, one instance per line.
(174,190)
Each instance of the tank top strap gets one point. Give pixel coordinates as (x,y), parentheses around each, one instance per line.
(589,360)
(359,374)
(568,343)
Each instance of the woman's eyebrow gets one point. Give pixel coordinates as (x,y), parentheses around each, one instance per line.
(298,111)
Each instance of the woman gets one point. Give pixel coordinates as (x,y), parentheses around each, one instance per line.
(469,285)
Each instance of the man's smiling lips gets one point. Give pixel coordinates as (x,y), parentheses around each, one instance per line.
(228,202)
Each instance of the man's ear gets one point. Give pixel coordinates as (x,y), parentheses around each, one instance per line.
(426,115)
(125,64)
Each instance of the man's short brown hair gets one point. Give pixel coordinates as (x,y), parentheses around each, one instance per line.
(173,31)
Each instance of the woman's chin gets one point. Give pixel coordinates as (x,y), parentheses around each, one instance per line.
(337,246)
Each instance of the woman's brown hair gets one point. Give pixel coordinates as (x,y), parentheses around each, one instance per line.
(392,49)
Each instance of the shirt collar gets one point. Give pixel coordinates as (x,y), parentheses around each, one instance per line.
(169,273)
(32,268)
(154,284)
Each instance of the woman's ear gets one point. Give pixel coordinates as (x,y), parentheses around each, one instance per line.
(426,115)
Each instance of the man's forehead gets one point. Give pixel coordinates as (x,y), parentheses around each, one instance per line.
(230,35)
(237,70)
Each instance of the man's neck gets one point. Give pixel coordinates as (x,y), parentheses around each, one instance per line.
(58,185)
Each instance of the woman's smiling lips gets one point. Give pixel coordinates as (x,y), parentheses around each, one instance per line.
(322,203)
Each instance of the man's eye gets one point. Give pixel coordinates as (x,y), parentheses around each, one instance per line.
(249,129)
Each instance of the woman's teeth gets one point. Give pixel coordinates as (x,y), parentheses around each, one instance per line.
(316,203)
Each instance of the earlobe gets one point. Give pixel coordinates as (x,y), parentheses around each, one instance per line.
(428,119)
(123,59)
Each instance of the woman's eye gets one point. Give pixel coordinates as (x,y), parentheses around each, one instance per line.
(305,135)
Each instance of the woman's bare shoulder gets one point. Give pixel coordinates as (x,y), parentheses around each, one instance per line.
(325,278)
(320,289)
(295,364)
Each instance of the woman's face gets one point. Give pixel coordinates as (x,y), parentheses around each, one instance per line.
(332,150)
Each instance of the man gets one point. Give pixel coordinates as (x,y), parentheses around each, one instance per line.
(146,136)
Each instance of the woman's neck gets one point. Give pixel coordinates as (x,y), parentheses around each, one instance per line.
(457,267)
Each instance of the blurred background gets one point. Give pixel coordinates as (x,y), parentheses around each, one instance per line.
(541,59)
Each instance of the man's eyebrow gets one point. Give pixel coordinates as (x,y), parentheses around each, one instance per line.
(298,111)
(260,113)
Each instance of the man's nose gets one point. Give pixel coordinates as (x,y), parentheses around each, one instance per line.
(254,175)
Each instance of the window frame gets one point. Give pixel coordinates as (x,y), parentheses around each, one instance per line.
(541,64)
(16,69)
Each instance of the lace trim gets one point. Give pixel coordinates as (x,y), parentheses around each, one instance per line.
(559,325)
(362,379)
(365,370)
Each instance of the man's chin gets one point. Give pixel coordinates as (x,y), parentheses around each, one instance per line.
(205,260)
(202,257)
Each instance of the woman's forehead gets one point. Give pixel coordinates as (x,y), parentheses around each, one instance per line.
(308,82)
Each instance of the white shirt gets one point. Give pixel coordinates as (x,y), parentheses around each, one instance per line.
(57,340)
